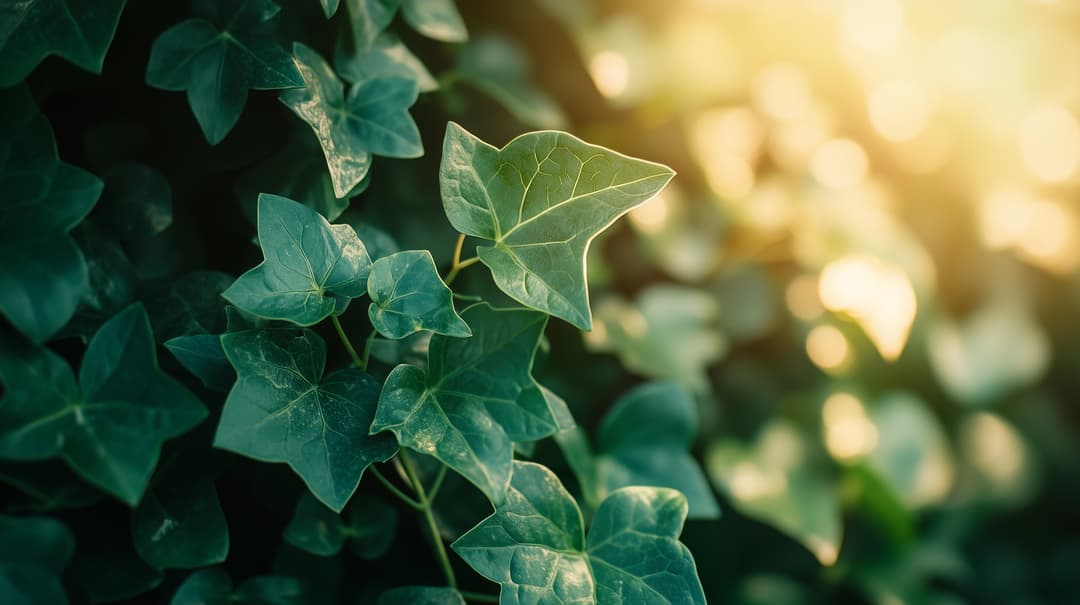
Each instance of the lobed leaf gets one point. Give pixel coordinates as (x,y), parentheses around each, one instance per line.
(408,296)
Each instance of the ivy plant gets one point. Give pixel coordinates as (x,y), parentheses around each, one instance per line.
(157,378)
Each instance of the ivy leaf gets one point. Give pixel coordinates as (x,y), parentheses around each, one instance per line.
(420,595)
(329,7)
(282,409)
(367,19)
(476,398)
(33,553)
(180,525)
(218,57)
(436,19)
(541,200)
(77,30)
(499,68)
(373,118)
(386,58)
(202,355)
(189,304)
(644,440)
(310,268)
(109,426)
(320,531)
(408,296)
(536,548)
(44,275)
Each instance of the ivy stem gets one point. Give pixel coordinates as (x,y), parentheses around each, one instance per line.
(367,350)
(394,489)
(433,526)
(478,597)
(360,363)
(458,263)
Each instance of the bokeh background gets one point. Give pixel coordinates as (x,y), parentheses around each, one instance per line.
(866,271)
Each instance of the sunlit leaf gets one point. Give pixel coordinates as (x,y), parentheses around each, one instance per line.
(541,200)
(407,296)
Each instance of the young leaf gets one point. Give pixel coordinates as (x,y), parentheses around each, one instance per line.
(536,548)
(408,296)
(109,426)
(420,595)
(282,409)
(476,398)
(180,526)
(310,268)
(644,440)
(44,275)
(218,57)
(436,19)
(541,200)
(77,30)
(373,118)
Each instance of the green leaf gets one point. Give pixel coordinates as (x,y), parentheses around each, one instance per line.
(202,355)
(436,19)
(47,486)
(282,409)
(780,480)
(213,586)
(189,304)
(420,595)
(106,567)
(476,398)
(498,67)
(536,548)
(44,274)
(109,426)
(408,296)
(541,200)
(310,268)
(218,57)
(367,19)
(372,119)
(329,7)
(320,531)
(644,440)
(34,551)
(387,57)
(77,30)
(180,525)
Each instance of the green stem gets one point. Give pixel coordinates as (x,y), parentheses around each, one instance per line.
(433,526)
(367,350)
(478,597)
(433,491)
(458,267)
(394,489)
(362,364)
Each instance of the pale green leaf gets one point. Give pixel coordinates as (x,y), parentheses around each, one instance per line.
(388,57)
(436,19)
(310,268)
(541,200)
(499,68)
(536,548)
(372,119)
(408,296)
(282,409)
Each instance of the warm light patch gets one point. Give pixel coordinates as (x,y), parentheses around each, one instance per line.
(802,298)
(840,164)
(781,91)
(877,295)
(899,110)
(610,72)
(654,215)
(1043,232)
(1050,143)
(994,448)
(873,24)
(849,432)
(828,348)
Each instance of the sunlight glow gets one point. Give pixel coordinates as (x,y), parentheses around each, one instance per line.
(840,164)
(610,72)
(849,432)
(877,295)
(873,24)
(1050,143)
(899,110)
(828,348)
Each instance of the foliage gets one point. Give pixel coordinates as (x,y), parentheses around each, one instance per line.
(378,314)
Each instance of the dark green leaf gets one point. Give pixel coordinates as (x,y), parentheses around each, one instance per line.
(282,409)
(476,398)
(77,30)
(269,590)
(372,119)
(499,68)
(40,541)
(136,203)
(202,355)
(43,276)
(536,548)
(644,440)
(180,525)
(109,427)
(329,7)
(48,486)
(205,587)
(408,296)
(219,57)
(372,526)
(320,531)
(420,595)
(190,304)
(310,268)
(541,200)
(22,584)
